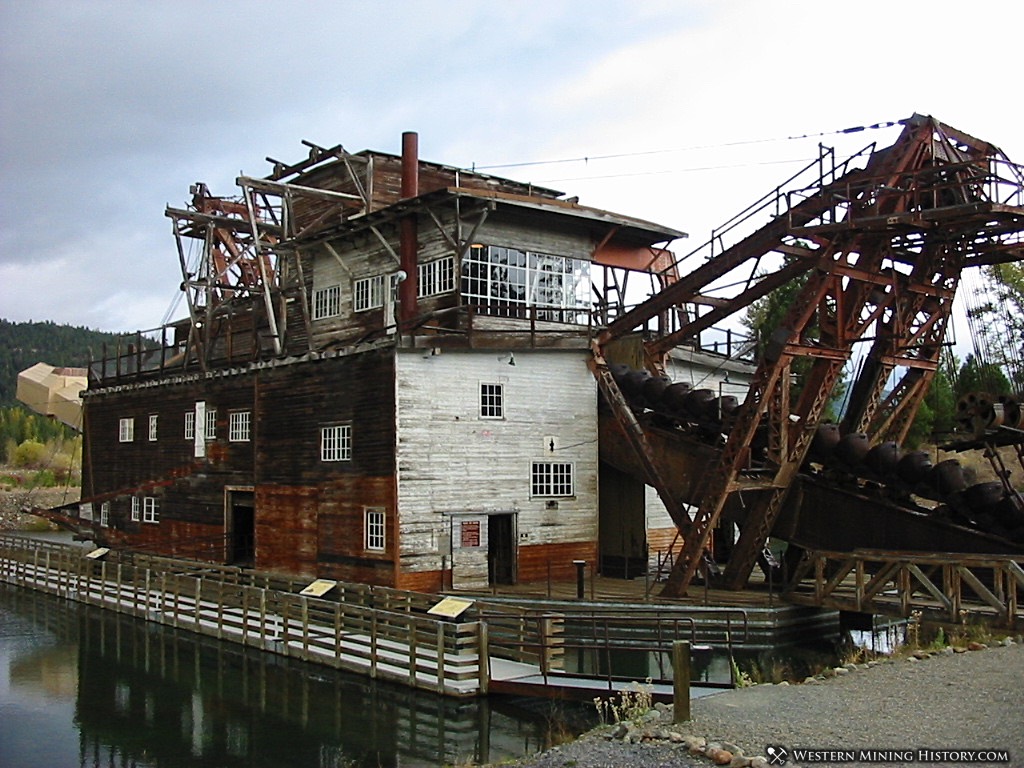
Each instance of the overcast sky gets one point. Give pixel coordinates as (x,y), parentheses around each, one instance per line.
(110,109)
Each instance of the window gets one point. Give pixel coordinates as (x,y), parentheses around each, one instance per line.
(190,425)
(336,442)
(211,423)
(136,503)
(435,277)
(105,514)
(551,478)
(368,293)
(505,282)
(85,511)
(239,423)
(375,529)
(150,514)
(492,401)
(327,302)
(126,430)
(152,427)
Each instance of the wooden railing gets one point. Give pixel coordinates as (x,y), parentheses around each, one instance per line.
(390,637)
(948,587)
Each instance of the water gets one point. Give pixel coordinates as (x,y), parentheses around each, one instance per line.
(80,686)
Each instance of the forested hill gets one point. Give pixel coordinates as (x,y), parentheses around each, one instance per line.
(22,345)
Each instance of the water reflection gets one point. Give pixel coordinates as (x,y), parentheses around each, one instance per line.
(84,687)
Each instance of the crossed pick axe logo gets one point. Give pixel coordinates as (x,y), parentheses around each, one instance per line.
(777,755)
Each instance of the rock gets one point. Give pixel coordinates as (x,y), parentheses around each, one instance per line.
(840,671)
(759,762)
(728,746)
(650,716)
(662,707)
(922,655)
(784,682)
(974,645)
(913,659)
(619,731)
(739,761)
(694,743)
(719,756)
(1007,642)
(809,680)
(873,663)
(947,651)
(959,650)
(676,738)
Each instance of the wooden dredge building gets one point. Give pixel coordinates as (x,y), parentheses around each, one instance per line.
(383,377)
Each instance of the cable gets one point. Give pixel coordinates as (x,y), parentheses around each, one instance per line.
(744,142)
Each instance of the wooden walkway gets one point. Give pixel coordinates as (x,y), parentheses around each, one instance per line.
(378,632)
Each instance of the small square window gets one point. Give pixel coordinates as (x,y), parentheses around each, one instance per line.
(375,531)
(434,277)
(327,302)
(190,425)
(126,430)
(551,478)
(368,293)
(150,513)
(153,418)
(492,401)
(239,423)
(336,442)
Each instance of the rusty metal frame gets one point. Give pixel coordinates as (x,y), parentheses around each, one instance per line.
(888,242)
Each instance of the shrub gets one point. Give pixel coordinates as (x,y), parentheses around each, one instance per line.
(30,453)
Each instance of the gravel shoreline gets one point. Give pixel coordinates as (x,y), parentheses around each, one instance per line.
(943,701)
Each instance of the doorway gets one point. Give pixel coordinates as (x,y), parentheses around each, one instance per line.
(501,549)
(241,527)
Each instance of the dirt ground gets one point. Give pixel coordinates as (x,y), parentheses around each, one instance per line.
(17,498)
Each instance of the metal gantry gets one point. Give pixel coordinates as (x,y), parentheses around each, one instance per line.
(881,241)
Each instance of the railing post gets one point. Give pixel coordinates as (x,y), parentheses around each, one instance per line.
(680,681)
(483,656)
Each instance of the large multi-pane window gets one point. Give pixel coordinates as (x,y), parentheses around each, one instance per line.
(326,302)
(434,277)
(239,425)
(150,512)
(492,401)
(506,282)
(211,424)
(153,419)
(551,478)
(375,531)
(190,425)
(368,293)
(126,430)
(336,442)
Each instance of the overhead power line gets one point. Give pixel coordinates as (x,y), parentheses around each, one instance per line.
(723,145)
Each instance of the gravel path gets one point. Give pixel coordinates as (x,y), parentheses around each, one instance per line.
(963,701)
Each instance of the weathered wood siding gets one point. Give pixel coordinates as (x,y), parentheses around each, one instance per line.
(363,258)
(309,514)
(453,462)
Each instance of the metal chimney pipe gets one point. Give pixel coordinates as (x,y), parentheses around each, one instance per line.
(408,244)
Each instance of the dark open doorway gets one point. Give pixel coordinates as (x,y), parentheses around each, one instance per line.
(241,528)
(501,549)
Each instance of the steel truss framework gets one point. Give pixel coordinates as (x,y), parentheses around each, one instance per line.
(881,239)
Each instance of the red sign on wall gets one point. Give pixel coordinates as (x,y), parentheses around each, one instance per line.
(470,533)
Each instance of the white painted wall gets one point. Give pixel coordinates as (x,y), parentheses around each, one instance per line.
(451,462)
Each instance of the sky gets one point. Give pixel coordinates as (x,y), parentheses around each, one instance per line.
(685,110)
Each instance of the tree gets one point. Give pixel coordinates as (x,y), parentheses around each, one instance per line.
(766,314)
(997,321)
(978,376)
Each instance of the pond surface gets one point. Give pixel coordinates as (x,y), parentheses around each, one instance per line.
(80,686)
